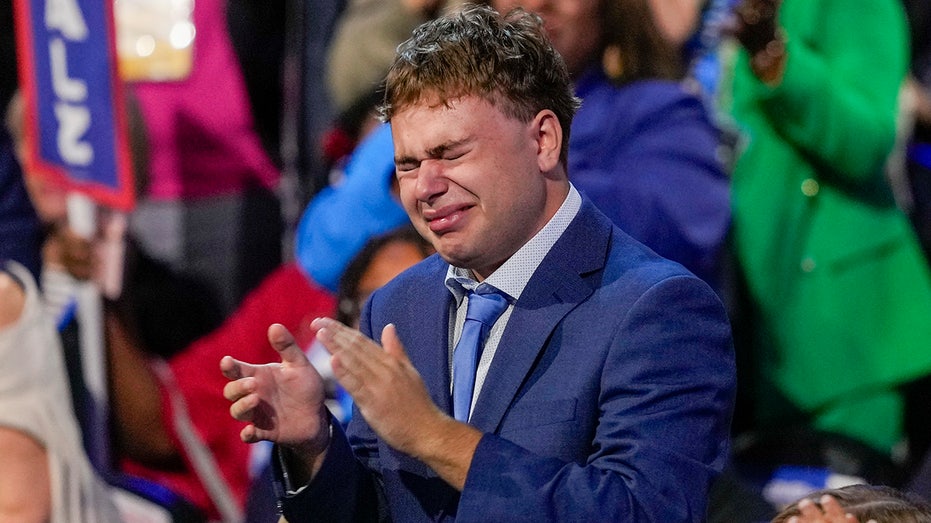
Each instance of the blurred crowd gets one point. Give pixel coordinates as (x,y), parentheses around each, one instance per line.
(778,149)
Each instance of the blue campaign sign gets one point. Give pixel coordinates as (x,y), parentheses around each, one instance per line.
(74,99)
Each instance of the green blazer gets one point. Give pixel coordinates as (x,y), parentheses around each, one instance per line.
(842,291)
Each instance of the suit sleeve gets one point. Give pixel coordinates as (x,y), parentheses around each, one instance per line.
(342,491)
(345,489)
(665,403)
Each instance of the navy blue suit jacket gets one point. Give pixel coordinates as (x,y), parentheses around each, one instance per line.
(609,398)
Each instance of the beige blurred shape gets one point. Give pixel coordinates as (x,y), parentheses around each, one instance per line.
(154,39)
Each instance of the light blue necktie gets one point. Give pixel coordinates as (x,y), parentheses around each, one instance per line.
(483,310)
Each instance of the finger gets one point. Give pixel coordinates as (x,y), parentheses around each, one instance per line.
(244,409)
(349,380)
(392,343)
(238,389)
(248,434)
(334,334)
(323,323)
(809,510)
(234,369)
(349,338)
(355,358)
(356,349)
(282,341)
(831,507)
(357,361)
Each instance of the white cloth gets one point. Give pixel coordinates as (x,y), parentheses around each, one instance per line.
(35,398)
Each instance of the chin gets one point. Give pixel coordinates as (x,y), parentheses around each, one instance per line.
(453,256)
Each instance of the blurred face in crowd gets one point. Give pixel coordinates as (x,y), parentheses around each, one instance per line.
(476,182)
(48,197)
(392,259)
(379,261)
(574,27)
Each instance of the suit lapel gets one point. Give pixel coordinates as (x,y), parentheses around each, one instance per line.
(558,286)
(428,349)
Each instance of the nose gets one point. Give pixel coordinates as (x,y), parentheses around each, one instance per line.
(431,183)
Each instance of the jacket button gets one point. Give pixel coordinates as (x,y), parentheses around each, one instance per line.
(810,187)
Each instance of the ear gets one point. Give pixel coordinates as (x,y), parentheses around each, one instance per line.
(548,134)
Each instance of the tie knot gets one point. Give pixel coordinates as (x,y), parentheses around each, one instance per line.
(486,307)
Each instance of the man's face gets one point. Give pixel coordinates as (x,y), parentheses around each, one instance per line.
(574,27)
(471,180)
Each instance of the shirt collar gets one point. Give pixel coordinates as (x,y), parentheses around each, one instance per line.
(513,275)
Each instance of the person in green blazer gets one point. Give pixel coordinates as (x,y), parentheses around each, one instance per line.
(840,292)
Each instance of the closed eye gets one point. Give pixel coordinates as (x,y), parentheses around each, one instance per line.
(406,167)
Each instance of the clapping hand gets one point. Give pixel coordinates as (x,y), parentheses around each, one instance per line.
(282,402)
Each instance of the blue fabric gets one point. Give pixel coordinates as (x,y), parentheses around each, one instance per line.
(482,312)
(646,154)
(702,49)
(341,218)
(609,397)
(20,230)
(920,153)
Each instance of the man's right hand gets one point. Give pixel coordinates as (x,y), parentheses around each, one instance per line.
(282,402)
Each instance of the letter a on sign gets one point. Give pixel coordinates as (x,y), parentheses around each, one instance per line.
(75,117)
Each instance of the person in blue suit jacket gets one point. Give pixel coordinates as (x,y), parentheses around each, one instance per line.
(604,390)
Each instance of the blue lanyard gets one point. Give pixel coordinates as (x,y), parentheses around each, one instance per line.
(67,314)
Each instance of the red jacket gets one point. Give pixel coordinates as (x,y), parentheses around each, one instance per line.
(286,296)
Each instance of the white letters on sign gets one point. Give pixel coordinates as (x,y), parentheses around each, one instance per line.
(73,122)
(66,88)
(66,16)
(74,118)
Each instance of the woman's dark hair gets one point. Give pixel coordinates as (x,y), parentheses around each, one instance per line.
(635,47)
